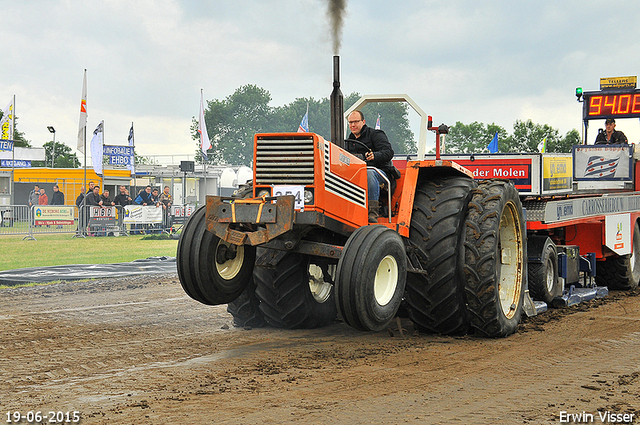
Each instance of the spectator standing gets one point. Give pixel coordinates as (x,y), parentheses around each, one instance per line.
(144,197)
(123,199)
(91,185)
(82,215)
(155,199)
(105,199)
(93,198)
(43,198)
(58,197)
(34,196)
(167,201)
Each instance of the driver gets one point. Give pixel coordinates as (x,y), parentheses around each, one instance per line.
(611,136)
(378,155)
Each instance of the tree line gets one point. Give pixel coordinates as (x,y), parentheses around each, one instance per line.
(233,121)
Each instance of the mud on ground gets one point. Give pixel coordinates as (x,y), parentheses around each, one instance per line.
(137,350)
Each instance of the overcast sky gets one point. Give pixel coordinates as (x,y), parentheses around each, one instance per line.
(460,60)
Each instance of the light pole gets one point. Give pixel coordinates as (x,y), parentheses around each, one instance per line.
(53,152)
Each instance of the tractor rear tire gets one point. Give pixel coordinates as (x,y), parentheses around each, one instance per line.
(371,277)
(621,272)
(495,264)
(245,309)
(436,300)
(293,295)
(544,284)
(185,257)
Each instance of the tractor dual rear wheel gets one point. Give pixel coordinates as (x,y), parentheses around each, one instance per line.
(436,299)
(295,293)
(494,259)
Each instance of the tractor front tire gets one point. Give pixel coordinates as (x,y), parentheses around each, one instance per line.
(371,277)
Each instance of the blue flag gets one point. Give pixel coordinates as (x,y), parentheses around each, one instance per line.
(493,146)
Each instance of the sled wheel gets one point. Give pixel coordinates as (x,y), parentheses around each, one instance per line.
(544,284)
(436,300)
(295,293)
(185,257)
(494,259)
(371,277)
(621,272)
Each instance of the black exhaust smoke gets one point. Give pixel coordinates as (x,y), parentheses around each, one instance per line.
(337,106)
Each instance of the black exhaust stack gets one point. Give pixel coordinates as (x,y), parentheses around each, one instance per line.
(337,106)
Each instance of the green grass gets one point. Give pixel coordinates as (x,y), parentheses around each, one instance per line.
(61,249)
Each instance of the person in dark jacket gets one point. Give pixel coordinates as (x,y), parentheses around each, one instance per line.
(93,198)
(123,199)
(379,155)
(105,199)
(58,197)
(610,136)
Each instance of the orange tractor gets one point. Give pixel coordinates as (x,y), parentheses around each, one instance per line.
(294,248)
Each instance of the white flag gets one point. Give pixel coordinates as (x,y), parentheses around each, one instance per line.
(97,143)
(83,115)
(6,123)
(205,144)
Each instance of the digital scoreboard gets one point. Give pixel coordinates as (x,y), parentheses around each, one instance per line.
(621,103)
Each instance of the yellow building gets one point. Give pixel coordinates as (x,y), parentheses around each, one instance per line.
(69,180)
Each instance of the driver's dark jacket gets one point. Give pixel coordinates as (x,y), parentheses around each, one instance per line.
(379,144)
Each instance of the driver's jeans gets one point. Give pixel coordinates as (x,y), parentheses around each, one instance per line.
(374,180)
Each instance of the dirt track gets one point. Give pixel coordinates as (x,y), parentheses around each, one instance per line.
(138,350)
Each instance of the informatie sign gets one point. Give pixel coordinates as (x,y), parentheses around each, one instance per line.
(53,215)
(119,155)
(142,214)
(602,163)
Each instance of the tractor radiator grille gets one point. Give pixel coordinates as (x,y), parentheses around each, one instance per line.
(284,161)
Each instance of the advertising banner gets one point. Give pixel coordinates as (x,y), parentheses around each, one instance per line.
(52,215)
(178,210)
(102,216)
(142,214)
(602,163)
(557,173)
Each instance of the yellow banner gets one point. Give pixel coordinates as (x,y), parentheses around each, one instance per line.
(618,83)
(557,172)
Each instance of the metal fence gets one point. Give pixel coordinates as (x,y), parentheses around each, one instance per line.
(90,220)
